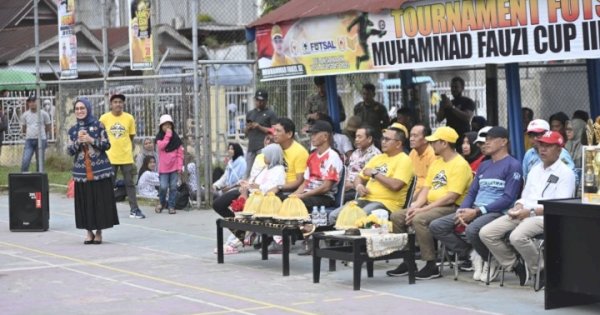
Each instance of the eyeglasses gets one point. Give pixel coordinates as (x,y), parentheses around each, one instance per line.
(80,108)
(386,139)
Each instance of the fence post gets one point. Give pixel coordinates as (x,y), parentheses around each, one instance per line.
(491,93)
(515,120)
(593,75)
(289,98)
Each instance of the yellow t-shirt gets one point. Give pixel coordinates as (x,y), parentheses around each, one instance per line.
(119,129)
(452,176)
(399,167)
(421,164)
(295,158)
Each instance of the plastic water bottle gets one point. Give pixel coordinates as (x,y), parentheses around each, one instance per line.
(314,216)
(322,216)
(384,227)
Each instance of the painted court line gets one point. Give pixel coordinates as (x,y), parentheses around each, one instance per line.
(157,279)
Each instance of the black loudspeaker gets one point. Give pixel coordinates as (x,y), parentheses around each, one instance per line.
(28,203)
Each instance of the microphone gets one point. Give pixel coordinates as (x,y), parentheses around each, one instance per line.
(552,179)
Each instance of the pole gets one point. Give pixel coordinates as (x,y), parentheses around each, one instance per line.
(105,56)
(515,119)
(289,98)
(196,100)
(207,141)
(491,93)
(41,125)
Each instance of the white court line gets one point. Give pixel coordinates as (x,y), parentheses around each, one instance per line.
(146,288)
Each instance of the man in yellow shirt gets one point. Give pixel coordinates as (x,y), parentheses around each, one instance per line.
(120,127)
(383,182)
(422,154)
(294,155)
(446,185)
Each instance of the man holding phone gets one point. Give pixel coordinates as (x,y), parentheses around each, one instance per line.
(458,111)
(551,179)
(258,122)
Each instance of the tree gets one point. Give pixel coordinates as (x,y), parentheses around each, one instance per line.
(270,5)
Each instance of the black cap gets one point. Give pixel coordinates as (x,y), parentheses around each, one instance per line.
(321,126)
(32,98)
(117,95)
(497,132)
(261,95)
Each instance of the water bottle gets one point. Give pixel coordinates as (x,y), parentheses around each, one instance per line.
(384,227)
(323,216)
(314,216)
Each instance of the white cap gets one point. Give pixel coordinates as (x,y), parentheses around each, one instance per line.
(538,126)
(482,134)
(164,119)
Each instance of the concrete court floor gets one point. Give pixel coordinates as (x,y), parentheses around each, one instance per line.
(165,264)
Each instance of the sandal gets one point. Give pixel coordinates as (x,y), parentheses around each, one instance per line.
(158,208)
(172,211)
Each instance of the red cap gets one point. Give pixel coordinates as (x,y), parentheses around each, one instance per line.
(551,137)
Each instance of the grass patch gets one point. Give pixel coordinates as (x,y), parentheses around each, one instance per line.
(58,167)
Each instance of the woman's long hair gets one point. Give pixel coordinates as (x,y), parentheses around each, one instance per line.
(237,150)
(145,167)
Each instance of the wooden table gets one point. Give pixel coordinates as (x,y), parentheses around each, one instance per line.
(355,252)
(571,238)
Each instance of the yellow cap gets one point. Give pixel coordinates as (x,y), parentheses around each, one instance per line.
(276,31)
(400,127)
(443,133)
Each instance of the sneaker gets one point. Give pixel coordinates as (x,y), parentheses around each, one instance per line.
(521,271)
(401,270)
(477,263)
(275,248)
(136,214)
(428,272)
(466,265)
(493,270)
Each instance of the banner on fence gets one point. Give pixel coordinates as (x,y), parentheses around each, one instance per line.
(141,52)
(67,41)
(430,34)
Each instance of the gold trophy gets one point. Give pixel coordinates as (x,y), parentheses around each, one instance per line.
(590,171)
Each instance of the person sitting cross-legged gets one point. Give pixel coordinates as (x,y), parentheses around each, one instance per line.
(496,185)
(448,179)
(383,183)
(551,179)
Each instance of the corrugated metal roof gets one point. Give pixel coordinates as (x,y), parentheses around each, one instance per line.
(17,40)
(296,9)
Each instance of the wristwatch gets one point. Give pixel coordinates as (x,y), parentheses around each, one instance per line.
(532,213)
(374,173)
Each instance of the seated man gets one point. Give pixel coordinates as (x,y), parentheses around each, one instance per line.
(496,185)
(421,154)
(445,187)
(387,175)
(294,155)
(551,179)
(365,151)
(323,170)
(536,128)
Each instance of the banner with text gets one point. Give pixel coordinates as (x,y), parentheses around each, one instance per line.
(67,41)
(141,52)
(430,34)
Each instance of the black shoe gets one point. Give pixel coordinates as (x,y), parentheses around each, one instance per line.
(542,281)
(401,270)
(466,265)
(430,271)
(521,271)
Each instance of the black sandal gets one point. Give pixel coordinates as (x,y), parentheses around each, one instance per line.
(88,242)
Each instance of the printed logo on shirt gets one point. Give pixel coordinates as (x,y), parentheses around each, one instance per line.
(439,180)
(117,130)
(383,169)
(516,176)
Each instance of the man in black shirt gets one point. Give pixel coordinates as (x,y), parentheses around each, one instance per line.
(371,112)
(258,122)
(459,111)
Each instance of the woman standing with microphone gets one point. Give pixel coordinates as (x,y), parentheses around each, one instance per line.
(95,207)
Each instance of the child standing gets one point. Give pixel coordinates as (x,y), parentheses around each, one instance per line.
(170,163)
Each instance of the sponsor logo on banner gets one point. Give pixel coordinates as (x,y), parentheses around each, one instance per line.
(141,52)
(67,41)
(430,34)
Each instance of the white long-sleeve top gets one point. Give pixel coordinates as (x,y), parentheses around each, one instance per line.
(147,183)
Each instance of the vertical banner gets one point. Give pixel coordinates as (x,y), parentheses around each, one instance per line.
(140,35)
(67,41)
